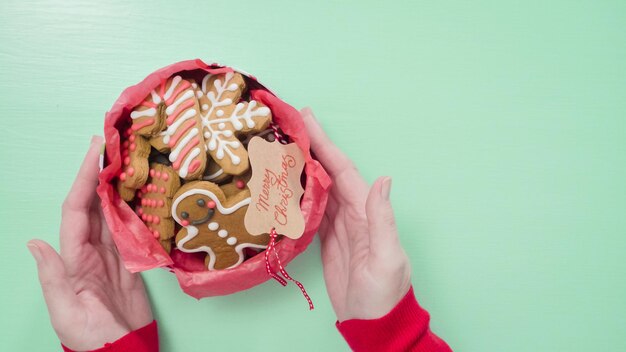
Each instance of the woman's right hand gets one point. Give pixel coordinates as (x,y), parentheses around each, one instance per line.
(365,268)
(91,297)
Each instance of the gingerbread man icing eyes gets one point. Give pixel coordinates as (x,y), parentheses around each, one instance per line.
(214,224)
(224,118)
(171,116)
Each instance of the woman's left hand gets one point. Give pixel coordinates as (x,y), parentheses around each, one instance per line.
(92,299)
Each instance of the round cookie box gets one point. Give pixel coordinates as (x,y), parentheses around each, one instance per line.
(138,247)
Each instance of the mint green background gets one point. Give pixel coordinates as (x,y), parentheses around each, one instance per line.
(501,122)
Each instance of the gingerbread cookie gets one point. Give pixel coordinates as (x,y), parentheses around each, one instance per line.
(156,203)
(215,173)
(157,143)
(214,224)
(170,115)
(237,184)
(224,118)
(134,150)
(267,134)
(127,194)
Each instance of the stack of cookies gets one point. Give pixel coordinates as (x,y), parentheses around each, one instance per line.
(185,165)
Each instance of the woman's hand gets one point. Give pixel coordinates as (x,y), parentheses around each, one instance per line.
(92,299)
(366,270)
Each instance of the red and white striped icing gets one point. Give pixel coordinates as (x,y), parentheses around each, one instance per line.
(182,134)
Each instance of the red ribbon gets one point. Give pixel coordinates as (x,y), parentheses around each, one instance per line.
(271,247)
(279,136)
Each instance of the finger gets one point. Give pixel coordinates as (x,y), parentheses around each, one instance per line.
(105,234)
(383,233)
(57,291)
(348,181)
(323,229)
(331,205)
(83,190)
(81,197)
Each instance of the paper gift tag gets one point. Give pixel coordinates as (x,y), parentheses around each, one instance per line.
(275,188)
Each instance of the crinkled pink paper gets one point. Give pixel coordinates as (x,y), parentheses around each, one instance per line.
(141,251)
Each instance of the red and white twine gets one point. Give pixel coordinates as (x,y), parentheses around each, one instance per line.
(271,247)
(279,136)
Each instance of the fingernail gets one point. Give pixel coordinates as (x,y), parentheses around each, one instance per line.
(385,190)
(95,139)
(308,111)
(35,251)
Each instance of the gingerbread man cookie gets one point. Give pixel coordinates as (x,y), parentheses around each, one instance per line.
(224,118)
(135,150)
(156,203)
(171,116)
(214,224)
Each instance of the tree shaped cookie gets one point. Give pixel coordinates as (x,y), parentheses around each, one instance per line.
(171,116)
(156,203)
(134,150)
(214,224)
(224,118)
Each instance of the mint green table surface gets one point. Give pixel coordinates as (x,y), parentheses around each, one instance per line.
(502,123)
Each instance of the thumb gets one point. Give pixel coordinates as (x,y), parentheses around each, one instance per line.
(57,291)
(380,218)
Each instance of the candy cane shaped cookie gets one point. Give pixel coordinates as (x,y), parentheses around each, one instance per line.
(171,116)
(224,118)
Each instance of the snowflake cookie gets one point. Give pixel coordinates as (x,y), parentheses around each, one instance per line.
(224,118)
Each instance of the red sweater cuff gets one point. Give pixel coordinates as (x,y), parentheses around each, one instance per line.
(145,339)
(404,328)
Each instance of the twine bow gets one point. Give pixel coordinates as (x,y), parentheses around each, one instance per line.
(271,247)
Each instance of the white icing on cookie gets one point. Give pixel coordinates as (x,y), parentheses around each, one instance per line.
(173,86)
(173,127)
(214,175)
(213,135)
(184,168)
(210,195)
(181,145)
(137,114)
(179,102)
(192,231)
(188,95)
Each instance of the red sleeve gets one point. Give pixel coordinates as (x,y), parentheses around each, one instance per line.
(144,339)
(404,328)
